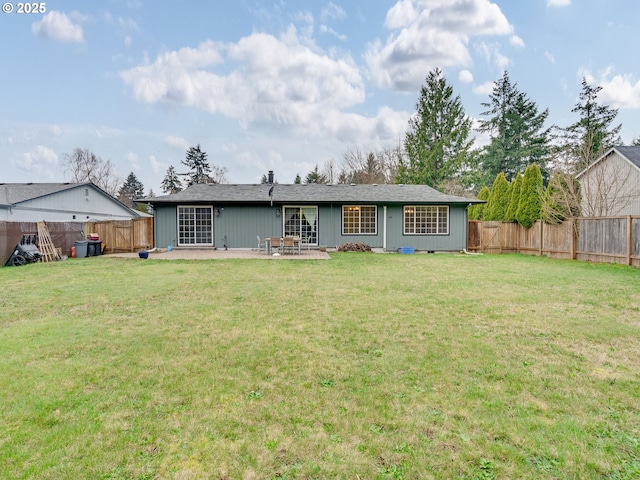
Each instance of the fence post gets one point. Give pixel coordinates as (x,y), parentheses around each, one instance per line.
(629,239)
(574,238)
(541,236)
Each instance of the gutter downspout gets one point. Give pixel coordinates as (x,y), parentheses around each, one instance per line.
(384,229)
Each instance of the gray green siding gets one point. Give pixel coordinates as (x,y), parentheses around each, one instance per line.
(238,225)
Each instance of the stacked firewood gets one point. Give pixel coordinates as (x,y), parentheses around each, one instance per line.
(354,247)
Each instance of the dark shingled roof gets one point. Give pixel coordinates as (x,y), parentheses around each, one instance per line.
(12,193)
(309,193)
(631,153)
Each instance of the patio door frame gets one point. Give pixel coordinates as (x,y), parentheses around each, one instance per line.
(195,225)
(300,230)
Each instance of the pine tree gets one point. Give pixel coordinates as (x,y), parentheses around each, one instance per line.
(438,143)
(297,180)
(171,182)
(593,134)
(199,169)
(498,201)
(514,199)
(131,189)
(530,197)
(314,176)
(476,212)
(516,128)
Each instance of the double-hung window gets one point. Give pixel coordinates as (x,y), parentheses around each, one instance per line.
(426,220)
(359,219)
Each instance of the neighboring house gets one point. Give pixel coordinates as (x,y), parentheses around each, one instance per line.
(381,216)
(59,202)
(611,185)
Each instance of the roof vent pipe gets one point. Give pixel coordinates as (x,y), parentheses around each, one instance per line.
(270,177)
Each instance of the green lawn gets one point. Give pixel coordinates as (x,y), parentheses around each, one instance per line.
(366,366)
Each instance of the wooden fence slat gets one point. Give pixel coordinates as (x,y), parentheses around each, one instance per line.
(587,238)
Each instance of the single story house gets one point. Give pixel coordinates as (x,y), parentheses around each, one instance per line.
(60,202)
(611,185)
(381,216)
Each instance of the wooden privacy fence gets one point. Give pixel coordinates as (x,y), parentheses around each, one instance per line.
(123,235)
(595,239)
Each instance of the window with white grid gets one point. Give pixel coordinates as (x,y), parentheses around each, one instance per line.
(359,220)
(195,225)
(426,220)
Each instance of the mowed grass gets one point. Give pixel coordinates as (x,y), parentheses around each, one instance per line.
(366,366)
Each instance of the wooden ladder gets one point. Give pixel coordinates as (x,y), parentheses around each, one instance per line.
(45,245)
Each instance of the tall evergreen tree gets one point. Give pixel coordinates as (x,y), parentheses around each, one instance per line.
(516,128)
(314,176)
(530,196)
(593,133)
(514,198)
(131,189)
(199,168)
(476,212)
(498,201)
(171,182)
(438,144)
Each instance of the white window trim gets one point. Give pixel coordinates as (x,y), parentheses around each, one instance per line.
(180,244)
(404,219)
(317,209)
(375,232)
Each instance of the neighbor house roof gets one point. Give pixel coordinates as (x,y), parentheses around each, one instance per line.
(631,153)
(12,193)
(309,193)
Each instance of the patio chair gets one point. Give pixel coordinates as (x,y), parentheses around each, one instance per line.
(276,243)
(262,245)
(288,245)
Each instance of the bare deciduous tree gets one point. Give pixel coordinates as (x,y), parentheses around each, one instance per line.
(82,165)
(380,166)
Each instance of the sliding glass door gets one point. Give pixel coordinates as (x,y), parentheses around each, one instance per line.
(195,226)
(301,222)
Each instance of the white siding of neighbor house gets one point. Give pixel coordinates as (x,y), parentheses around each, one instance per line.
(611,187)
(77,204)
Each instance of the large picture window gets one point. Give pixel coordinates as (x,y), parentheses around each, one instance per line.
(426,220)
(195,226)
(301,222)
(359,220)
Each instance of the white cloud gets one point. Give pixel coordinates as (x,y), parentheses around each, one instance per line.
(465,76)
(332,12)
(156,166)
(132,160)
(516,41)
(261,79)
(483,89)
(549,56)
(39,158)
(558,3)
(427,34)
(620,91)
(178,143)
(491,53)
(58,26)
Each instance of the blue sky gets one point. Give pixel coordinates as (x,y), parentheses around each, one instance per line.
(285,85)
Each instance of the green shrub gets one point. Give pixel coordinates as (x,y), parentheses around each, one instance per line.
(476,212)
(514,199)
(530,197)
(498,200)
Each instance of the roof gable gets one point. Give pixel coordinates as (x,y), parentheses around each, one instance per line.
(629,153)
